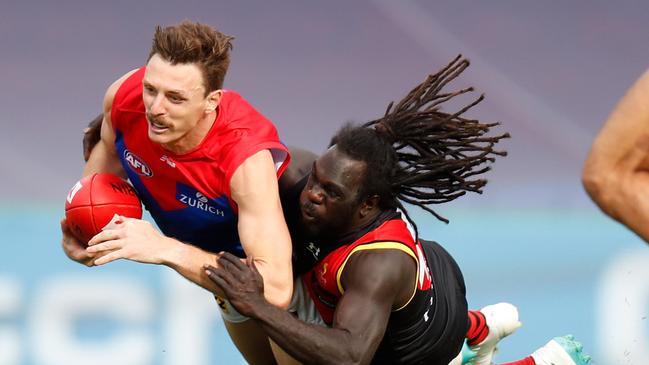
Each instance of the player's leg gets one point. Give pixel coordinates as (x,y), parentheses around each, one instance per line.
(562,350)
(487,327)
(249,338)
(281,356)
(302,307)
(464,356)
(251,341)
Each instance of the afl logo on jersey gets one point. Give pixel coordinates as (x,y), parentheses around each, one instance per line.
(137,164)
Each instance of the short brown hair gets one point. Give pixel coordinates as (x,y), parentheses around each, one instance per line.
(193,42)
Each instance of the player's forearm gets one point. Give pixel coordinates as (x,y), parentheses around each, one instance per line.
(189,261)
(630,205)
(638,224)
(627,124)
(310,344)
(262,229)
(602,186)
(278,280)
(621,193)
(267,241)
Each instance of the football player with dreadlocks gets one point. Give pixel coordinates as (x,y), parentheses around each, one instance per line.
(372,291)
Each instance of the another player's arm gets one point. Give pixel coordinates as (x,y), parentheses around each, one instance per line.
(262,229)
(374,284)
(300,166)
(91,135)
(103,157)
(616,172)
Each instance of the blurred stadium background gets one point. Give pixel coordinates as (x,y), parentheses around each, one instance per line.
(551,72)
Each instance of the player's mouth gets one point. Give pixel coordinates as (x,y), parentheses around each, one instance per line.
(308,212)
(157,127)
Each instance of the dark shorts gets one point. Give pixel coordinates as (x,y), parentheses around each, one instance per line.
(438,339)
(450,297)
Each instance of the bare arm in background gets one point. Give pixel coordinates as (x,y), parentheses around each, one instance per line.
(616,172)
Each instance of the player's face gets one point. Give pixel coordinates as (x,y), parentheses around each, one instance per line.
(175,103)
(329,203)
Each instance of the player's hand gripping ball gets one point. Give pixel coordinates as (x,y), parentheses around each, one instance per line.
(97,200)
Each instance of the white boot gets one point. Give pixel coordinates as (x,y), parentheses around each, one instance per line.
(562,350)
(502,320)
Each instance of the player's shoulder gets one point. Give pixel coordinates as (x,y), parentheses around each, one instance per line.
(109,97)
(299,167)
(239,110)
(232,98)
(388,263)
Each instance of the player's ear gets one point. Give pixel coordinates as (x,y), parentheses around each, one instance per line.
(369,205)
(213,100)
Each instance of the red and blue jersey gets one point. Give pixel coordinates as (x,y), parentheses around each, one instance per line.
(188,195)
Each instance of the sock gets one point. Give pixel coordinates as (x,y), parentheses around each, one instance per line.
(478,329)
(526,361)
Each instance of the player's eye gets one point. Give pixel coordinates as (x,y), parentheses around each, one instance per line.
(332,193)
(175,99)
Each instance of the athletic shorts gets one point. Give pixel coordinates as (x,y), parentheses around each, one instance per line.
(301,306)
(450,320)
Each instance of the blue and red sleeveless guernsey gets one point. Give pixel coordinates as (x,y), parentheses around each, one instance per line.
(188,195)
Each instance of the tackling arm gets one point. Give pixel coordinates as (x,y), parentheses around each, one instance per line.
(373,282)
(616,172)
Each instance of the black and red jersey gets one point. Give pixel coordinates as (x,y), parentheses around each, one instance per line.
(431,327)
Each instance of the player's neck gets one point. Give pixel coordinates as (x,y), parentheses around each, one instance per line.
(194,137)
(362,223)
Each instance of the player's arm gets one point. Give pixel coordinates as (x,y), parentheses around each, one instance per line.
(373,281)
(138,240)
(616,172)
(262,229)
(103,157)
(91,136)
(262,232)
(300,166)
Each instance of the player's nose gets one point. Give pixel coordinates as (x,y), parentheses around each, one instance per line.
(157,105)
(315,194)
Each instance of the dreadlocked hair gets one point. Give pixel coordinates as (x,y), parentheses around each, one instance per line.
(365,144)
(419,155)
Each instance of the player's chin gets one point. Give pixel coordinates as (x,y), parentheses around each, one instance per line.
(311,226)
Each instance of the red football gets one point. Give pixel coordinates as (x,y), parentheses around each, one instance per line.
(94,201)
